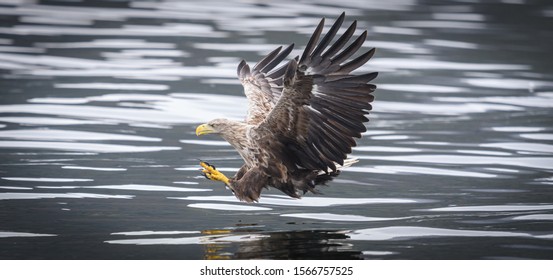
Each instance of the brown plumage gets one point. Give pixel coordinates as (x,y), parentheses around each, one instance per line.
(303,115)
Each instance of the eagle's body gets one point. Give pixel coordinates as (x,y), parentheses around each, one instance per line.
(302,118)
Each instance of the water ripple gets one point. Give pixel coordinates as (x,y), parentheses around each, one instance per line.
(14,195)
(445,109)
(403,233)
(305,201)
(151,232)
(493,208)
(93,168)
(139,187)
(522,146)
(5,234)
(390,169)
(84,147)
(534,217)
(422,64)
(176,29)
(164,109)
(227,207)
(108,44)
(338,217)
(58,180)
(114,86)
(420,88)
(42,121)
(517,128)
(56,134)
(537,136)
(529,162)
(202,239)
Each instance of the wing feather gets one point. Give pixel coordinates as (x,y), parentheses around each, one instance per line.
(315,55)
(338,44)
(356,63)
(263,83)
(277,59)
(312,43)
(350,50)
(267,59)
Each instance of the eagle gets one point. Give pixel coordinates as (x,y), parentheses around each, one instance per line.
(303,115)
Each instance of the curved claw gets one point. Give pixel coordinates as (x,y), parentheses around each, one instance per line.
(206,164)
(211,173)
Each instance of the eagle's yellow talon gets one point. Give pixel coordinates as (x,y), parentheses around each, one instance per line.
(206,165)
(213,174)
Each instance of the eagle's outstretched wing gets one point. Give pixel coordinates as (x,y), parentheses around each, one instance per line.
(322,106)
(263,83)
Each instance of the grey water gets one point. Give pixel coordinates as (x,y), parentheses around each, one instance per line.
(99,101)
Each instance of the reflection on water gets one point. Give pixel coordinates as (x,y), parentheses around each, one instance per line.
(391,233)
(99,156)
(255,244)
(311,244)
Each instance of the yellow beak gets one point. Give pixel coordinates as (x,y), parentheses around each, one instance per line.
(204,129)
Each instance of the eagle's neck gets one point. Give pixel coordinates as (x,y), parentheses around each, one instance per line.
(237,136)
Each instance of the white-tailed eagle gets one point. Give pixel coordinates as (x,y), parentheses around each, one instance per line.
(303,115)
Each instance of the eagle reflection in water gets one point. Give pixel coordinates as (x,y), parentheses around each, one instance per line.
(257,244)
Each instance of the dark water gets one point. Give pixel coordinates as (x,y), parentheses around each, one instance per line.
(99,101)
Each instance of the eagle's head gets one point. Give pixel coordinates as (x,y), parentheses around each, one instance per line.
(228,129)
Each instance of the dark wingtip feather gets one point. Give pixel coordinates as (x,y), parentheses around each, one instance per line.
(329,35)
(312,42)
(277,59)
(267,59)
(356,63)
(351,49)
(332,50)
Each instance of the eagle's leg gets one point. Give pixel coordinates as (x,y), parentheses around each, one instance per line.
(211,173)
